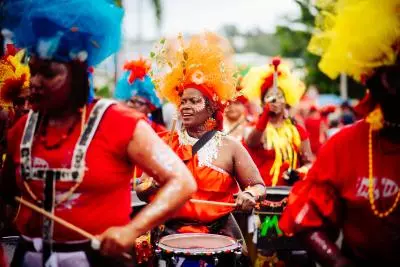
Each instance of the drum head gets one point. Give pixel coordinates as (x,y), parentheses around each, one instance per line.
(279,190)
(196,244)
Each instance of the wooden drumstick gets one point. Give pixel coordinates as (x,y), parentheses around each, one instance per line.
(214,203)
(64,223)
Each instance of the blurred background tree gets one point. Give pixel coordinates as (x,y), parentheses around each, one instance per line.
(293,40)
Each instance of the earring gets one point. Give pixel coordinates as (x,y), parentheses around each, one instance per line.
(210,124)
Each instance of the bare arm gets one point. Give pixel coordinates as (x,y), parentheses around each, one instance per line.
(246,171)
(177,185)
(160,162)
(254,138)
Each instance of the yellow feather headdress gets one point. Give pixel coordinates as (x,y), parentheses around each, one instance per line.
(356,36)
(260,79)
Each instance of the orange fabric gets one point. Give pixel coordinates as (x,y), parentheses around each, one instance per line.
(212,185)
(193,229)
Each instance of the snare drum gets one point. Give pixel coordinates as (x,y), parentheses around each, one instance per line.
(269,235)
(196,250)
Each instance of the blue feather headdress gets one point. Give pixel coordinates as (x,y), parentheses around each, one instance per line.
(136,82)
(66,30)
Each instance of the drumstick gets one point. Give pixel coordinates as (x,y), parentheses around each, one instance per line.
(63,222)
(215,203)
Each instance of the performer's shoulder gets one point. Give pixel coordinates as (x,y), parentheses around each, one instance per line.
(121,111)
(350,133)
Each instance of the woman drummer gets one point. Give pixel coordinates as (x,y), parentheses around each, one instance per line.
(73,156)
(199,82)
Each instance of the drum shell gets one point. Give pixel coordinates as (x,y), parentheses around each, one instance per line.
(271,209)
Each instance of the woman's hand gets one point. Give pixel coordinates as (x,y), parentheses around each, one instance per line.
(118,241)
(245,201)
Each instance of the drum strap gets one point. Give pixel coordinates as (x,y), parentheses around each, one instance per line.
(202,141)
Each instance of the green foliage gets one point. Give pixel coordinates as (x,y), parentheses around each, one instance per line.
(158,10)
(104,92)
(293,42)
(262,43)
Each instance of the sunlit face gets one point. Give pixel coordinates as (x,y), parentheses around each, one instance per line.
(278,105)
(194,109)
(50,84)
(140,104)
(235,111)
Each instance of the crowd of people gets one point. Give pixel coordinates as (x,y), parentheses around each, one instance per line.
(238,174)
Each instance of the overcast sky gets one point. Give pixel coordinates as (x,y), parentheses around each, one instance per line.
(191,16)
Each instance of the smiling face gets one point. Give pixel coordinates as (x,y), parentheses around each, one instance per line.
(194,108)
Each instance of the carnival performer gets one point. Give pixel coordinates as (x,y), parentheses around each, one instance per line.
(354,184)
(236,116)
(136,89)
(279,147)
(74,158)
(199,81)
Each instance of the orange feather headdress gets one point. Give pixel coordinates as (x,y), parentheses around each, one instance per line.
(204,62)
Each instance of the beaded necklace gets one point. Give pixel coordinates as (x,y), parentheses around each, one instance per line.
(375,120)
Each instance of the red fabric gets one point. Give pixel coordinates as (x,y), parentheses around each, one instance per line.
(158,128)
(313,126)
(2,258)
(212,185)
(264,159)
(105,189)
(340,175)
(263,119)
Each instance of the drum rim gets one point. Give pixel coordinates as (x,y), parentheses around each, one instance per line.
(278,190)
(235,246)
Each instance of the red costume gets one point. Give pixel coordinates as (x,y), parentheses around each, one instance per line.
(105,186)
(265,158)
(314,128)
(335,195)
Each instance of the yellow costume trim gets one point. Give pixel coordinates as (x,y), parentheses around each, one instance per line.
(285,140)
(356,36)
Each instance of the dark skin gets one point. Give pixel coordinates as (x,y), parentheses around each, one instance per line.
(52,95)
(234,111)
(277,117)
(140,104)
(194,110)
